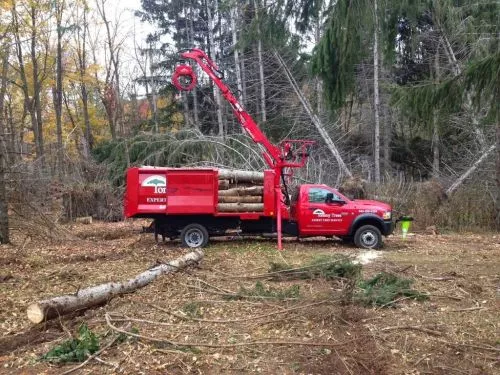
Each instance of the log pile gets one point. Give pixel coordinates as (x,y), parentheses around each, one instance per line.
(240,191)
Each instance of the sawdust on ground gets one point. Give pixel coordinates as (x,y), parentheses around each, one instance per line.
(456,331)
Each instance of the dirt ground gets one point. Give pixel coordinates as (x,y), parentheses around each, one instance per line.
(455,331)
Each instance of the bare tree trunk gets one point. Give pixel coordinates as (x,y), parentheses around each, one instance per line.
(112,89)
(498,167)
(319,85)
(435,124)
(244,78)
(59,88)
(28,102)
(261,66)
(194,92)
(82,63)
(36,83)
(387,139)
(4,207)
(213,53)
(376,96)
(239,84)
(101,294)
(455,67)
(435,146)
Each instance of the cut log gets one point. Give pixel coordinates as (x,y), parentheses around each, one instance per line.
(240,207)
(101,294)
(249,176)
(223,184)
(242,191)
(84,220)
(242,199)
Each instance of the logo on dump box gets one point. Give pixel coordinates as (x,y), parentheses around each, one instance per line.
(155,181)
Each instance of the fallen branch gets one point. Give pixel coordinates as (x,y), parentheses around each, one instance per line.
(469,309)
(414,328)
(469,171)
(314,119)
(265,341)
(101,294)
(242,319)
(470,345)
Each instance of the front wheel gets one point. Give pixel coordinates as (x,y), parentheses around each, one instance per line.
(194,236)
(368,237)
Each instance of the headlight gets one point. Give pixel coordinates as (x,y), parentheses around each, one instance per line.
(387,215)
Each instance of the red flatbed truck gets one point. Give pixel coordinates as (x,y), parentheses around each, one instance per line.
(184,202)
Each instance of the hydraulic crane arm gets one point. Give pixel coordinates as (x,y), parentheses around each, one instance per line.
(274,156)
(289,154)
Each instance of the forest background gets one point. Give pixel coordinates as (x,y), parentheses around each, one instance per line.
(407,91)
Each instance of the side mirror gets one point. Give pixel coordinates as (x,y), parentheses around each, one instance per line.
(330,199)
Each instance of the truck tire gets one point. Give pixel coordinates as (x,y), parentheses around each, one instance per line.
(194,236)
(368,237)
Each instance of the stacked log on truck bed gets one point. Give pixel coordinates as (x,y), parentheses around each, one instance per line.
(240,191)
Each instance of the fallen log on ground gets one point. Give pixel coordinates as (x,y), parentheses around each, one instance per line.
(84,220)
(101,294)
(241,199)
(249,176)
(240,207)
(240,191)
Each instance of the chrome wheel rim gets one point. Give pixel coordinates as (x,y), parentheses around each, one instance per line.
(369,239)
(194,237)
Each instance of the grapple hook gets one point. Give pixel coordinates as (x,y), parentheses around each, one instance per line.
(187,73)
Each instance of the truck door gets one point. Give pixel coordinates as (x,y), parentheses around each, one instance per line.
(322,212)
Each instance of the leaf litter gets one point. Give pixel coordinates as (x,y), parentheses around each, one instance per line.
(363,339)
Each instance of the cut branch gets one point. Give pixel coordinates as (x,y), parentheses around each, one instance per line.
(101,294)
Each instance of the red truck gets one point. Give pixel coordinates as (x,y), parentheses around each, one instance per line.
(190,203)
(185,203)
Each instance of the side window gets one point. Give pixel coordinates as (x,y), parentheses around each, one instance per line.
(318,195)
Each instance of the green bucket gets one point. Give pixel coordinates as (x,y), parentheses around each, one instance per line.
(405,225)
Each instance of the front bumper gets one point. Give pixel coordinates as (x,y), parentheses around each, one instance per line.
(387,227)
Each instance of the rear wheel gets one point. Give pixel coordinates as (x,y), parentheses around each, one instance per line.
(194,236)
(368,237)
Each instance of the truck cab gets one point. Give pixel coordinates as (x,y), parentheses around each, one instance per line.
(319,210)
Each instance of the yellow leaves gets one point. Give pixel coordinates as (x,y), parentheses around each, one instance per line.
(6,4)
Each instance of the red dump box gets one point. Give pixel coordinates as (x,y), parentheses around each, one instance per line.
(153,192)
